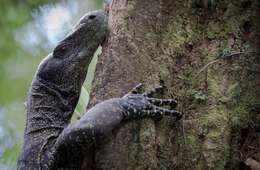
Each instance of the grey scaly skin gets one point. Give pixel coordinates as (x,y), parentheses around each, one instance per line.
(51,141)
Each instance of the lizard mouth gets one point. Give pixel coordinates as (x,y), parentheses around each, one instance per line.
(105,27)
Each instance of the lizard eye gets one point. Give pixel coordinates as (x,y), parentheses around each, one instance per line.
(60,50)
(92,17)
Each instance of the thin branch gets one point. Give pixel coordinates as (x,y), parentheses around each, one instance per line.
(222,57)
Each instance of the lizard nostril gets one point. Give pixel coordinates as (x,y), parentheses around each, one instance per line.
(91,17)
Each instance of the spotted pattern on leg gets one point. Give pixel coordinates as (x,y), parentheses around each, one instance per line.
(164,102)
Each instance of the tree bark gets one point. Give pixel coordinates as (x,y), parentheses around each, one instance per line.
(176,44)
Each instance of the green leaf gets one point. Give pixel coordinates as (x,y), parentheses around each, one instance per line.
(10,154)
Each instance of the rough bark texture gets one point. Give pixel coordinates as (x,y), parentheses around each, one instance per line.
(171,42)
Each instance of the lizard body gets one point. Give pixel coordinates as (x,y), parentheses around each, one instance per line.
(51,141)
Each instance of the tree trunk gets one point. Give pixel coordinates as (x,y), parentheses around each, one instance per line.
(176,43)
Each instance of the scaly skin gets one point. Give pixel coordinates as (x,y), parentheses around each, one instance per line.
(51,141)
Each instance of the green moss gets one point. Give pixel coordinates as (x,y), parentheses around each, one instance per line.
(216,120)
(179,33)
(221,30)
(215,154)
(210,125)
(191,139)
(231,22)
(215,144)
(214,85)
(213,30)
(164,72)
(216,117)
(239,118)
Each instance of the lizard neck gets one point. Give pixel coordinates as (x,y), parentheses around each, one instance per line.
(50,106)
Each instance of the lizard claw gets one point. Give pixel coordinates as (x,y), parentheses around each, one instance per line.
(159,112)
(138,89)
(154,91)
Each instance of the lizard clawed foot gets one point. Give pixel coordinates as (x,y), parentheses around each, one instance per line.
(138,105)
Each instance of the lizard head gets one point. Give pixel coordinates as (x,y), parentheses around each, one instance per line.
(71,57)
(84,39)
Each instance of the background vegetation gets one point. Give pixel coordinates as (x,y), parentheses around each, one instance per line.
(29,29)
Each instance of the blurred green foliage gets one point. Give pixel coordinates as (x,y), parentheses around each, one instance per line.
(14,14)
(17,66)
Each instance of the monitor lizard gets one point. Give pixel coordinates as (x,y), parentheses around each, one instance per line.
(51,141)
